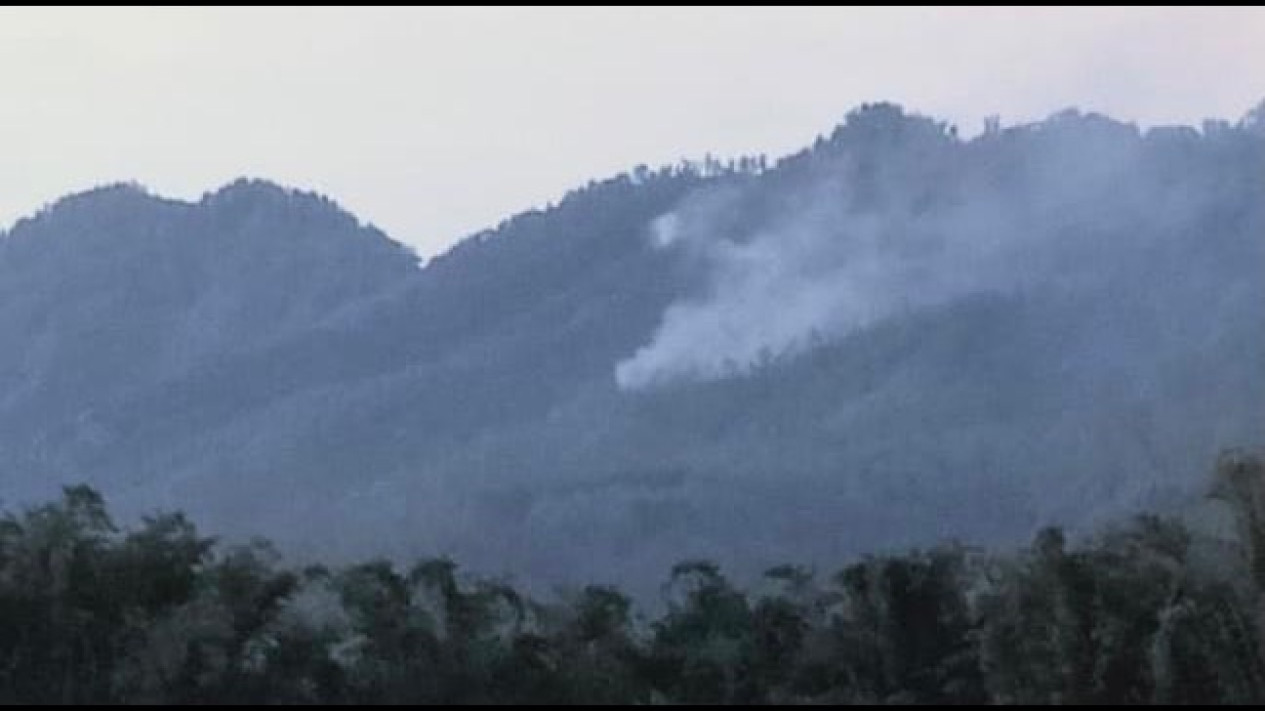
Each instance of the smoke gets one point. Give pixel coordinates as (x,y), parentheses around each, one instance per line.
(769,296)
(855,244)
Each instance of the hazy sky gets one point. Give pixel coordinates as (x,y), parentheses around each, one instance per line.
(432,123)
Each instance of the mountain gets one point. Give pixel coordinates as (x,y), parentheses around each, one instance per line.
(892,337)
(111,293)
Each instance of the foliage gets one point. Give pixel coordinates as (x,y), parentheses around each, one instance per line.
(1150,611)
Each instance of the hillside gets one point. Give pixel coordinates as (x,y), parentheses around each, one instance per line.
(893,337)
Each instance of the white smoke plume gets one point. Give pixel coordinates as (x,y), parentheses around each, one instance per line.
(817,267)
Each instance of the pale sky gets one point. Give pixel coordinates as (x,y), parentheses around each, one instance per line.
(434,123)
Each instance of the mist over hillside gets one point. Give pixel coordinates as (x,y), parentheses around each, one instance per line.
(892,337)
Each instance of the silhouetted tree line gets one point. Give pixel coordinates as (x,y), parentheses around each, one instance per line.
(1149,611)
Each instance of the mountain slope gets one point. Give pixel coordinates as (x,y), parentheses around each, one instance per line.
(890,338)
(111,293)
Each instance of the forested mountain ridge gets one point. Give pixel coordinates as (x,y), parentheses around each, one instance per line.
(891,337)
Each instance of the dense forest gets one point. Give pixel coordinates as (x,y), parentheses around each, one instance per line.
(1155,609)
(897,335)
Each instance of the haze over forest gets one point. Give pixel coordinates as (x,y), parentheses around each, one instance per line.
(892,337)
(632,355)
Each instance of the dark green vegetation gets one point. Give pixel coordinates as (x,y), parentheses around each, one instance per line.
(895,336)
(1152,611)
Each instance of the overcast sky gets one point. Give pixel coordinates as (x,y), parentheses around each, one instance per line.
(434,123)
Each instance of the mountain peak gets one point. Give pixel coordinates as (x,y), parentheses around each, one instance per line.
(110,195)
(245,188)
(132,203)
(255,195)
